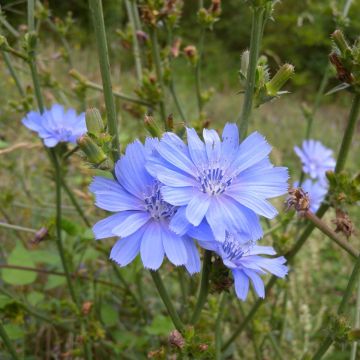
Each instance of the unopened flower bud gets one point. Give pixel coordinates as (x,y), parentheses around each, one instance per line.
(142,36)
(191,53)
(244,63)
(93,152)
(340,41)
(86,307)
(175,48)
(176,339)
(215,7)
(280,78)
(30,41)
(3,42)
(94,122)
(151,126)
(40,235)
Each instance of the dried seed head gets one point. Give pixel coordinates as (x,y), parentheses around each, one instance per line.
(343,223)
(86,307)
(298,199)
(176,339)
(40,235)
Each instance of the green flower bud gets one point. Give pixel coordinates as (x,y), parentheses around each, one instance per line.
(93,152)
(280,78)
(340,41)
(151,126)
(3,43)
(94,122)
(244,63)
(30,42)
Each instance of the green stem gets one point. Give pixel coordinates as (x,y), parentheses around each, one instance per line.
(177,102)
(167,301)
(75,202)
(198,72)
(331,234)
(204,286)
(8,344)
(349,132)
(342,307)
(157,61)
(31,15)
(136,48)
(218,330)
(17,227)
(255,42)
(100,34)
(356,323)
(13,73)
(59,242)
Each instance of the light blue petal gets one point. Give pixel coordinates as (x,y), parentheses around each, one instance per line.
(130,170)
(214,217)
(252,150)
(104,228)
(230,144)
(151,249)
(261,250)
(275,266)
(168,176)
(111,196)
(197,208)
(241,284)
(172,149)
(51,142)
(210,245)
(33,121)
(174,246)
(196,148)
(125,250)
(253,202)
(202,232)
(178,196)
(179,224)
(193,263)
(213,145)
(257,282)
(134,221)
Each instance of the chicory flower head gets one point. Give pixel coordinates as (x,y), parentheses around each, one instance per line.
(316,191)
(56,125)
(142,217)
(316,159)
(223,182)
(243,258)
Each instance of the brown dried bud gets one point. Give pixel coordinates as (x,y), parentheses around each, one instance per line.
(142,36)
(175,48)
(215,7)
(203,347)
(176,339)
(342,73)
(298,199)
(343,223)
(86,307)
(190,51)
(40,235)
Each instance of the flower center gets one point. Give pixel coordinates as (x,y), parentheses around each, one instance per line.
(213,181)
(63,133)
(235,249)
(157,207)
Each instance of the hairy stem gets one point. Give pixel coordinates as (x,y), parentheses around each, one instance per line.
(356,323)
(204,286)
(103,53)
(198,72)
(255,42)
(167,301)
(157,62)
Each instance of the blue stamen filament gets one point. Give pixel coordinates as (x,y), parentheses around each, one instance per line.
(213,181)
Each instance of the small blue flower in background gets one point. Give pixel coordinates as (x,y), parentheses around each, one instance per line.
(223,182)
(316,159)
(243,258)
(316,191)
(56,125)
(142,217)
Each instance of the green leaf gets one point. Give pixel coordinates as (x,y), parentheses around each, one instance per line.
(21,257)
(15,332)
(109,315)
(54,281)
(4,301)
(45,257)
(161,326)
(35,297)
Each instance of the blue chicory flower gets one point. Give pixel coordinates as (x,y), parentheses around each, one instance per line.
(223,182)
(142,217)
(316,159)
(56,125)
(242,257)
(316,191)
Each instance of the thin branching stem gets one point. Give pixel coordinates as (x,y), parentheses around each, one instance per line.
(167,301)
(13,73)
(204,287)
(218,329)
(198,71)
(103,53)
(255,42)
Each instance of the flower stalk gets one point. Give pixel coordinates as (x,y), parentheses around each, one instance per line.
(103,53)
(255,42)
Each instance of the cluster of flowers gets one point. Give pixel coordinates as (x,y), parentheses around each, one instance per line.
(166,193)
(316,161)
